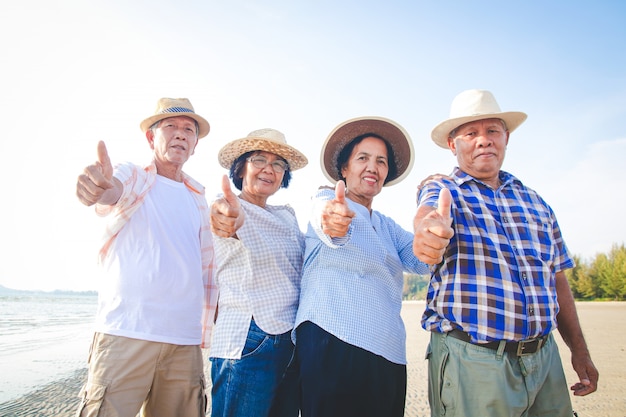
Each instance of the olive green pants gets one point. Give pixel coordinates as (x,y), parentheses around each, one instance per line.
(472,381)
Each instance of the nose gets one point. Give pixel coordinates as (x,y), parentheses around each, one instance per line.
(483,141)
(180,134)
(371,166)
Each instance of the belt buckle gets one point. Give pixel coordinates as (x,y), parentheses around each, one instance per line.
(522,346)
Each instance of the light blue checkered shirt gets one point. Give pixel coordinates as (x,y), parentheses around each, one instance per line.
(352,287)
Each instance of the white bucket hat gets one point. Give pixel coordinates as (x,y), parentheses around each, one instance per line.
(391,131)
(268,140)
(472,105)
(174,107)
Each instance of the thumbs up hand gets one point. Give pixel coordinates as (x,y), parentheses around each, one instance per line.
(433,229)
(96,180)
(443,206)
(226,213)
(337,216)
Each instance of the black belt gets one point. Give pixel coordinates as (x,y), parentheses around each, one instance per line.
(521,348)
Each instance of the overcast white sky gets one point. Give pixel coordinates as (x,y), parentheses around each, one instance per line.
(75,72)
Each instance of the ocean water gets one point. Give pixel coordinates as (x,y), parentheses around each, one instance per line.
(43,337)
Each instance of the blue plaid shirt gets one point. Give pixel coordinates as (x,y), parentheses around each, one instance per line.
(497,279)
(352,286)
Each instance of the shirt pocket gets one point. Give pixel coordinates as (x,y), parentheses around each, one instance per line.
(536,235)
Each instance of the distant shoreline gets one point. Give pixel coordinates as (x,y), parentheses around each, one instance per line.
(6,291)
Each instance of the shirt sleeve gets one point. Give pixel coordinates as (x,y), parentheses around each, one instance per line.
(429,194)
(125,173)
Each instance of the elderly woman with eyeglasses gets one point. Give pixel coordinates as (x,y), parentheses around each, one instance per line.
(259,251)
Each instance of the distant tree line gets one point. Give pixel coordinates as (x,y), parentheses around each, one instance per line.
(603,278)
(415,287)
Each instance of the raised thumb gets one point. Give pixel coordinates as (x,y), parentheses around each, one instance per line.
(105,161)
(340,192)
(444,202)
(230,197)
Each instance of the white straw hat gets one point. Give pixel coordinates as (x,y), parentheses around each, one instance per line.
(268,140)
(173,107)
(472,105)
(391,131)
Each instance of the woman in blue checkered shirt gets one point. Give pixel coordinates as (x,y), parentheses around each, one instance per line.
(350,338)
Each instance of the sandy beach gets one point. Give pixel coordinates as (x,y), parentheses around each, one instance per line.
(603,324)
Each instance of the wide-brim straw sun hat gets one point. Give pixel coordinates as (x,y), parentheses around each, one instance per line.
(174,107)
(472,105)
(345,132)
(268,140)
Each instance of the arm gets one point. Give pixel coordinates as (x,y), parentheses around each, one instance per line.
(571,332)
(96,184)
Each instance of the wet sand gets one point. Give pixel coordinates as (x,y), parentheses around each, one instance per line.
(603,323)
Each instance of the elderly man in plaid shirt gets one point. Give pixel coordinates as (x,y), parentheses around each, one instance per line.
(498,287)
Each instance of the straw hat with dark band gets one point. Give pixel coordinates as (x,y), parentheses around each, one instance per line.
(173,107)
(392,132)
(268,140)
(472,105)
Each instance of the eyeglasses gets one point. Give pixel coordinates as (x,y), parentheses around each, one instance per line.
(261,162)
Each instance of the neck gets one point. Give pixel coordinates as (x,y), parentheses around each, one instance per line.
(173,172)
(365,202)
(253,199)
(493,182)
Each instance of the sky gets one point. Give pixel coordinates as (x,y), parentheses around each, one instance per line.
(75,72)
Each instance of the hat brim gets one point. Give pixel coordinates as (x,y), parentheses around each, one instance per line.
(203,125)
(441,132)
(233,150)
(392,132)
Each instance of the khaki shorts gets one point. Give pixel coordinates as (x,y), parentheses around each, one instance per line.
(128,375)
(473,381)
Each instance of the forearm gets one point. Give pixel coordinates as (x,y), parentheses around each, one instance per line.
(567,319)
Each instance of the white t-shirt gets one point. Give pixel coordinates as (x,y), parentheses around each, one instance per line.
(152,288)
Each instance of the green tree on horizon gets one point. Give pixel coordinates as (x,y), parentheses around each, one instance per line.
(611,272)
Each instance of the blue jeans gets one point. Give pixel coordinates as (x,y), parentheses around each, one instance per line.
(263,382)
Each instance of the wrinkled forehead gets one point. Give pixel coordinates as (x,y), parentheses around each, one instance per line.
(267,154)
(180,119)
(481,123)
(371,145)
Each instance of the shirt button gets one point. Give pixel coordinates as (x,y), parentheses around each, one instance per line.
(524,275)
(531,310)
